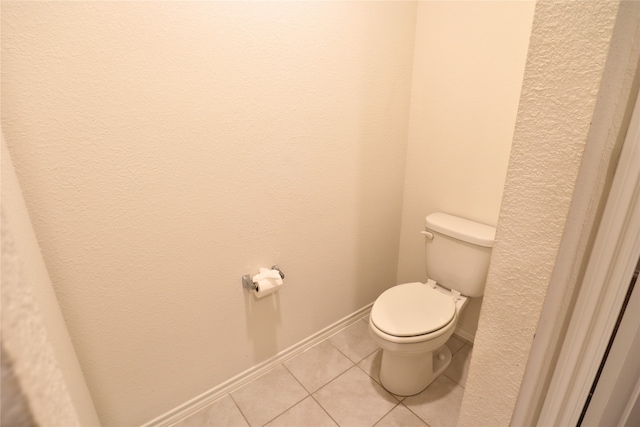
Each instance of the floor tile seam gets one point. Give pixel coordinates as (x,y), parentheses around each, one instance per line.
(246,420)
(398,398)
(369,375)
(313,395)
(387,413)
(377,381)
(328,339)
(350,359)
(419,417)
(345,356)
(281,413)
(356,365)
(453,353)
(353,322)
(334,379)
(454,380)
(369,354)
(329,382)
(325,411)
(340,373)
(298,381)
(293,356)
(467,345)
(461,347)
(309,393)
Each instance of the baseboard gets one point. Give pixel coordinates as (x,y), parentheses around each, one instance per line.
(211,395)
(464,335)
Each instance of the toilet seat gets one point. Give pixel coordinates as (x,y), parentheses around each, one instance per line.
(412,309)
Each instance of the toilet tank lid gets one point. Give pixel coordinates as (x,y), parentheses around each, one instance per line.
(461,229)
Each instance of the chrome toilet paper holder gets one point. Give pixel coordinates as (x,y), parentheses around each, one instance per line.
(251,285)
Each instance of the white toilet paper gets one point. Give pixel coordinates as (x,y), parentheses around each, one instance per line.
(267,282)
(266,287)
(270,274)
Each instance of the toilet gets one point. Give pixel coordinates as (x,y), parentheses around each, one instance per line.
(411,322)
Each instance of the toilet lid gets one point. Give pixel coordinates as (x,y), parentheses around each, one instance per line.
(412,309)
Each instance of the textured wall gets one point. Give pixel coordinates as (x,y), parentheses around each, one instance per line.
(467,73)
(167,148)
(36,348)
(565,63)
(616,97)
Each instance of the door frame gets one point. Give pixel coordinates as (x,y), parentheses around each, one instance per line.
(609,272)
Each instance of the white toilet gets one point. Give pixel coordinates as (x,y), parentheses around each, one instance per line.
(412,322)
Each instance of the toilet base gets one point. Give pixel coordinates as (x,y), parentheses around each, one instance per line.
(406,374)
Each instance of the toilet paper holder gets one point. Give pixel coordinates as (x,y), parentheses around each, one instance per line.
(251,285)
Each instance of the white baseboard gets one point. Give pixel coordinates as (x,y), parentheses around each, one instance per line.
(464,334)
(219,391)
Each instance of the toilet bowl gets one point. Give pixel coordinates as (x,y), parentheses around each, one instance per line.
(412,322)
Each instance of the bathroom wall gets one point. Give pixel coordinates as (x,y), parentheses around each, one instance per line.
(42,382)
(467,73)
(554,128)
(167,148)
(607,131)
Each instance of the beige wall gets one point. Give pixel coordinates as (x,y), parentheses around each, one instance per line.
(552,131)
(36,347)
(612,112)
(166,148)
(467,73)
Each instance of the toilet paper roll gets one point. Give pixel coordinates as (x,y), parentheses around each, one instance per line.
(268,273)
(266,287)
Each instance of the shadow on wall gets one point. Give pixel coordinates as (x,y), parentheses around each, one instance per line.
(338,238)
(263,317)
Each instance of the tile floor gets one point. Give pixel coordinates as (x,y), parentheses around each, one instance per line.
(335,383)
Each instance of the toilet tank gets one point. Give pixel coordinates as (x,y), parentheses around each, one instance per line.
(458,254)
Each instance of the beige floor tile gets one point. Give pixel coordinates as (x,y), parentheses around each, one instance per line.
(354,399)
(355,341)
(371,365)
(268,396)
(400,416)
(459,367)
(318,365)
(439,404)
(455,344)
(305,413)
(222,413)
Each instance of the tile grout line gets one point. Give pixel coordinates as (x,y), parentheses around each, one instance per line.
(324,410)
(241,380)
(296,379)
(361,370)
(418,416)
(343,353)
(238,407)
(387,413)
(309,394)
(453,354)
(399,400)
(348,358)
(281,413)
